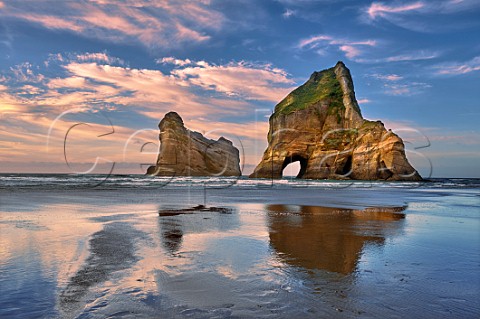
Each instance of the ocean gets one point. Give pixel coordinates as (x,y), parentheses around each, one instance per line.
(98,246)
(64,181)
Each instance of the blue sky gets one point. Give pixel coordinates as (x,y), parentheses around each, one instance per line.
(119,66)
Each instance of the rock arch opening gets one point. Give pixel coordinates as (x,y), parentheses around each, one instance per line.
(294,159)
(346,169)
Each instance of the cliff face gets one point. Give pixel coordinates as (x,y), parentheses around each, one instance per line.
(320,124)
(188,153)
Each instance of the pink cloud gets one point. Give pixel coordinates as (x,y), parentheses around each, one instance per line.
(387,77)
(91,80)
(393,77)
(313,41)
(91,86)
(24,134)
(351,48)
(30,90)
(456,68)
(150,89)
(251,130)
(410,15)
(76,82)
(24,72)
(98,17)
(399,89)
(10,103)
(152,23)
(249,81)
(371,43)
(378,9)
(363,101)
(350,51)
(51,22)
(184,33)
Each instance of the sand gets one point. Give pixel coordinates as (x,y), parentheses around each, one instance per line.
(277,253)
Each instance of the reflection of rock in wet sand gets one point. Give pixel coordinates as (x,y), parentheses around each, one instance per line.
(172,235)
(194,209)
(111,249)
(327,238)
(175,223)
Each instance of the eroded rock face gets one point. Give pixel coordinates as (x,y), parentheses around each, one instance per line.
(188,153)
(320,124)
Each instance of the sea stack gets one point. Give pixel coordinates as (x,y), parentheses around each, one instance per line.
(320,125)
(188,153)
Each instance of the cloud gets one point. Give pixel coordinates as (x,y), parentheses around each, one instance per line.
(24,134)
(409,56)
(251,130)
(88,84)
(351,48)
(155,24)
(458,68)
(184,33)
(236,79)
(465,138)
(363,101)
(91,80)
(387,77)
(394,84)
(100,57)
(145,88)
(172,60)
(454,6)
(378,9)
(419,55)
(24,72)
(313,41)
(406,88)
(422,16)
(288,13)
(30,90)
(350,51)
(51,22)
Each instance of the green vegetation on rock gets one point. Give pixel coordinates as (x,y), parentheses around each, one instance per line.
(371,125)
(322,86)
(338,139)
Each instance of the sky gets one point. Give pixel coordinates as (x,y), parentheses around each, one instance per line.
(84,84)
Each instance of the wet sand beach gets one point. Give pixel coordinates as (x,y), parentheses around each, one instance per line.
(284,252)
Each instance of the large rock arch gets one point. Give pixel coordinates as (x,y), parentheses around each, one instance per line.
(321,123)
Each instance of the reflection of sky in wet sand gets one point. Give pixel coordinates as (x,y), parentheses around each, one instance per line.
(263,261)
(112,249)
(41,250)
